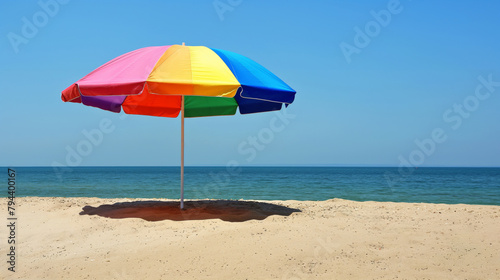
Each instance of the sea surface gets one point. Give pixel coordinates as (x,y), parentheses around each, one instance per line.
(430,185)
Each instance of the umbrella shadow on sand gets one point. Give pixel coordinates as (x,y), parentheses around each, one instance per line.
(226,210)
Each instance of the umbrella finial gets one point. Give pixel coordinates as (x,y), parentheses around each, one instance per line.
(183,43)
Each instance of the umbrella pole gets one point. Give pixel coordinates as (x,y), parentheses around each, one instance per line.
(182,153)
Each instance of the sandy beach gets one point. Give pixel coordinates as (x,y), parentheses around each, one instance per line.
(91,238)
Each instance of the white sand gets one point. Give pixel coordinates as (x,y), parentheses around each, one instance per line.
(335,239)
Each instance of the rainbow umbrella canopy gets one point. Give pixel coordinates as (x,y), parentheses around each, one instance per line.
(193,81)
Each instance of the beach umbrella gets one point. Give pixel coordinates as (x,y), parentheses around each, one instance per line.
(191,81)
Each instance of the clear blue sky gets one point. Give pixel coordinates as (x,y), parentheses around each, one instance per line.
(373,79)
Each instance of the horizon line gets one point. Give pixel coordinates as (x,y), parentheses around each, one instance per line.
(277,165)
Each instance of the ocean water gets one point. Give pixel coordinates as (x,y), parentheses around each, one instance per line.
(430,185)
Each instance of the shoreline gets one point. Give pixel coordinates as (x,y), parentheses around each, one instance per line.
(129,199)
(221,239)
